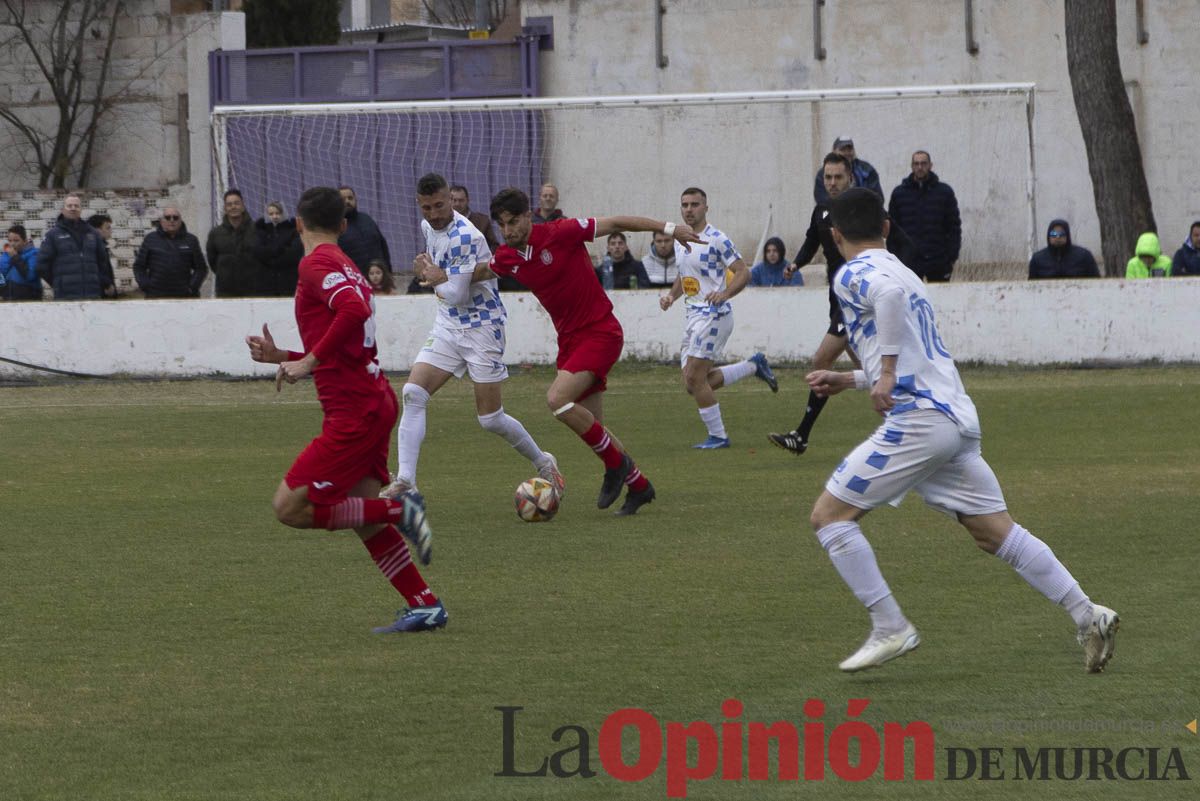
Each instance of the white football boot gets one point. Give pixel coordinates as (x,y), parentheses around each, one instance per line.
(880,648)
(1099,638)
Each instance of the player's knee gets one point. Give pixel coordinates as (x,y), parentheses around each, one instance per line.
(556,399)
(493,422)
(818,519)
(414,395)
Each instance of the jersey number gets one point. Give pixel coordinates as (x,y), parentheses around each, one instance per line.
(929,333)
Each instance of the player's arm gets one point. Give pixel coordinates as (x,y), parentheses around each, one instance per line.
(452,285)
(671,295)
(812,243)
(432,275)
(350,311)
(888,299)
(741,277)
(681,232)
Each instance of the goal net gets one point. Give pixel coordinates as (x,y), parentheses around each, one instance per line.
(755,154)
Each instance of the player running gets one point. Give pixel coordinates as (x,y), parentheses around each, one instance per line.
(838,178)
(929,442)
(702,281)
(552,261)
(334,482)
(467,336)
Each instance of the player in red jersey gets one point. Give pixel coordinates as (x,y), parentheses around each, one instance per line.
(334,482)
(552,261)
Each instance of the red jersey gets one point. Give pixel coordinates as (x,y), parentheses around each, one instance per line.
(331,288)
(556,267)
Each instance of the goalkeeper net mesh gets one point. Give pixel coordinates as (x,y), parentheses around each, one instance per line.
(756,155)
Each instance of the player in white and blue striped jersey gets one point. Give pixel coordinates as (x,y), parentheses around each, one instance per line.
(929,442)
(703,283)
(467,337)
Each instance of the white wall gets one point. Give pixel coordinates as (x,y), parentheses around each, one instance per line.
(604,48)
(996,323)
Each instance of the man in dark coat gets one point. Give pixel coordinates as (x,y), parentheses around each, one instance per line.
(927,210)
(861,172)
(230,250)
(1060,258)
(73,259)
(1187,258)
(170,262)
(362,240)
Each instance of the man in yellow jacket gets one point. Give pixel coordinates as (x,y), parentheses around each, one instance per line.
(1148,260)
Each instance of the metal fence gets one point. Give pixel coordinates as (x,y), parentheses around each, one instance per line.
(364,73)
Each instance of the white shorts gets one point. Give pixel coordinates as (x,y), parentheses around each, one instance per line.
(478,350)
(924,451)
(705,335)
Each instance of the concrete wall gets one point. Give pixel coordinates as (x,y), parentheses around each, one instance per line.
(1025,323)
(604,48)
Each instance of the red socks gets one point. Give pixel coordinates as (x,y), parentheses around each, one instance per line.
(391,554)
(357,512)
(599,441)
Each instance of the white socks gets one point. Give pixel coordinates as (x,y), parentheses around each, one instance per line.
(733,373)
(1036,563)
(712,420)
(515,434)
(411,432)
(851,554)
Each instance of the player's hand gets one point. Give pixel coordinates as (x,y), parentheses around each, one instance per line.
(718,297)
(829,382)
(665,301)
(790,270)
(262,349)
(428,273)
(685,236)
(292,372)
(881,393)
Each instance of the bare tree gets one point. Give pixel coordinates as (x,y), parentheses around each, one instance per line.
(71,43)
(462,12)
(1109,133)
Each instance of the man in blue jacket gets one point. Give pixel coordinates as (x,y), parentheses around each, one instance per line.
(73,259)
(1060,258)
(1187,258)
(927,210)
(18,267)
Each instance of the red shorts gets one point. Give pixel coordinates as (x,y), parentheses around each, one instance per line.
(349,449)
(594,349)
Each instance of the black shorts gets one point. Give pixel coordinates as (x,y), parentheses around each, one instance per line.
(837,323)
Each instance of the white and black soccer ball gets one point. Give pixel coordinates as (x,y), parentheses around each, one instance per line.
(536,500)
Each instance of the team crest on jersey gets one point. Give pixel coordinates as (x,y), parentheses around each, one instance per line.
(582,221)
(332,280)
(691,286)
(547,257)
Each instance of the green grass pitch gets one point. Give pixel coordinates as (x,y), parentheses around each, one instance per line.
(162,637)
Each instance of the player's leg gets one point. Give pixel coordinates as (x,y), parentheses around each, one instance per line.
(489,410)
(390,552)
(424,380)
(729,374)
(832,346)
(967,488)
(316,491)
(898,456)
(696,381)
(570,399)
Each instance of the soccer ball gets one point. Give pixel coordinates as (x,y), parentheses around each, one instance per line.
(536,500)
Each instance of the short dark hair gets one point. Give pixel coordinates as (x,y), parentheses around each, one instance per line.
(924,153)
(229,192)
(836,158)
(858,214)
(512,200)
(694,190)
(1195,225)
(460,188)
(618,235)
(321,208)
(347,186)
(97,220)
(430,184)
(19,230)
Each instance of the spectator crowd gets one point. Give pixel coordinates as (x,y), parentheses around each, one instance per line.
(260,258)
